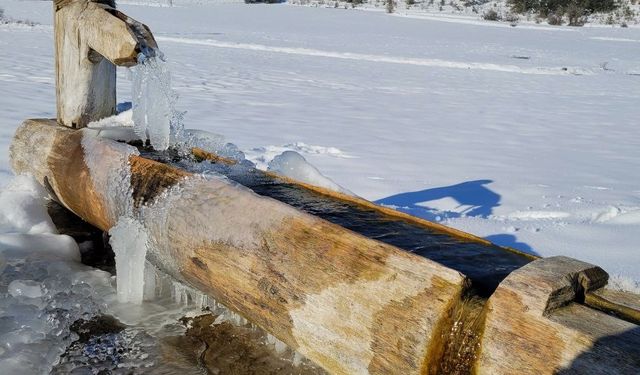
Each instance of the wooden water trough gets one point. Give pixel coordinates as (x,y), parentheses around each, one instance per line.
(356,288)
(352,304)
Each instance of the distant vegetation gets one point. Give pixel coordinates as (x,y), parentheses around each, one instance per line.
(390,6)
(554,12)
(7,20)
(575,11)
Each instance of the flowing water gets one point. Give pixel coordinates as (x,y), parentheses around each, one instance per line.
(486,265)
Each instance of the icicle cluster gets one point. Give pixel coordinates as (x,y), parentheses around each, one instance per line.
(154,114)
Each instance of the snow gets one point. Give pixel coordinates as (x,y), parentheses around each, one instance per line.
(472,12)
(261,156)
(526,136)
(23,211)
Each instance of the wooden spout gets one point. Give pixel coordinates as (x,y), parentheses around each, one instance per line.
(91,37)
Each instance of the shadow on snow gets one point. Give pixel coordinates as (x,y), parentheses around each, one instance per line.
(473,199)
(466,199)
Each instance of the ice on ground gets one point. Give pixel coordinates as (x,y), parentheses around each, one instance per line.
(43,288)
(25,288)
(45,292)
(291,164)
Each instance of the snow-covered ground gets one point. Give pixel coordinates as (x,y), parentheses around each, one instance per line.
(526,136)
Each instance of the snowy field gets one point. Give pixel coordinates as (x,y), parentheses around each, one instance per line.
(526,136)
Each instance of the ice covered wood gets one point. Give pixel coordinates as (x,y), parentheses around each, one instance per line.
(90,37)
(351,304)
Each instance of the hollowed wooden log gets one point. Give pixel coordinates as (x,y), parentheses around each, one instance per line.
(351,304)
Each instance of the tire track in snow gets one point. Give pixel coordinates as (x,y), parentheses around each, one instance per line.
(436,63)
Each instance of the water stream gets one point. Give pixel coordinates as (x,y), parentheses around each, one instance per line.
(486,265)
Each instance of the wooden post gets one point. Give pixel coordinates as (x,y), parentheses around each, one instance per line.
(351,304)
(90,37)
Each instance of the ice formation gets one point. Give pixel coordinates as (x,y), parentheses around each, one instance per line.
(43,287)
(211,142)
(22,209)
(155,117)
(44,290)
(154,114)
(129,242)
(293,165)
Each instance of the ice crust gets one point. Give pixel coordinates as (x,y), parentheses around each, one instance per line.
(108,164)
(211,142)
(293,165)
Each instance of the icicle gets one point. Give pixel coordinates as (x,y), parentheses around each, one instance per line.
(154,114)
(129,242)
